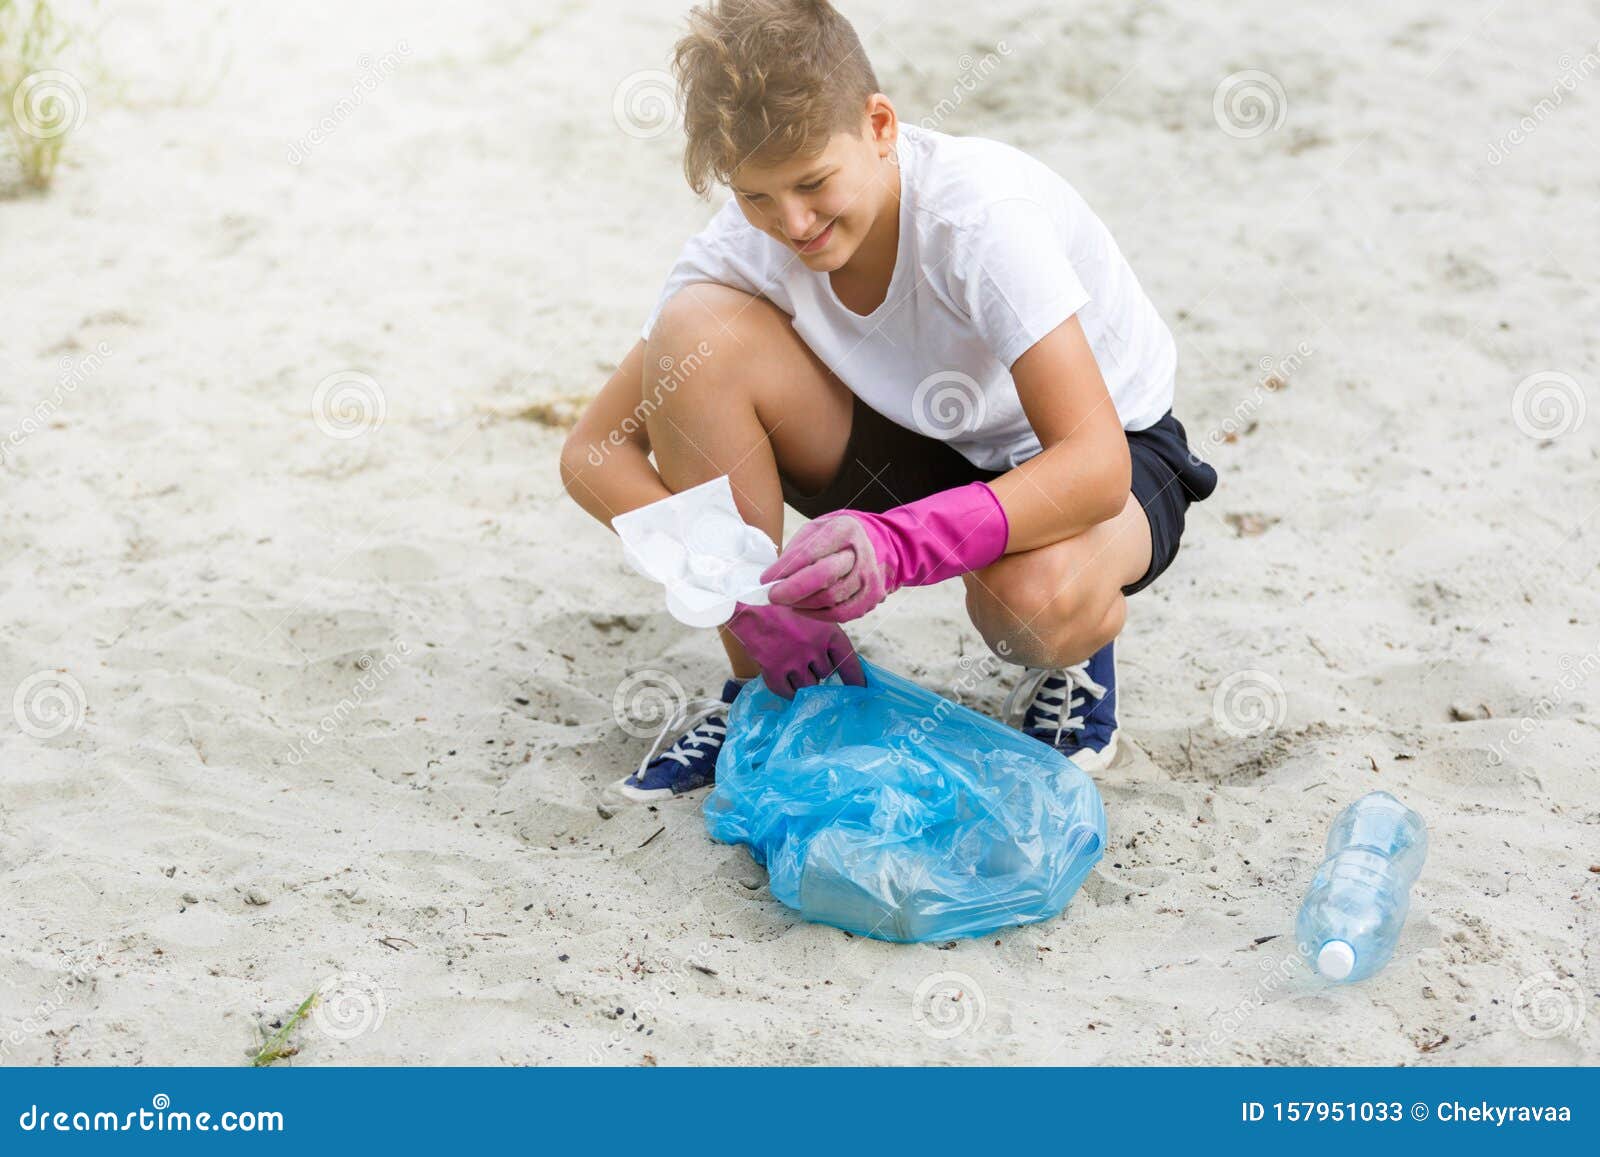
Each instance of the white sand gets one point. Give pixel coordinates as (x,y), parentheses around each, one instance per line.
(478,235)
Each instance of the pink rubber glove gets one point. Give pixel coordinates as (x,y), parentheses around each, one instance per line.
(794,651)
(838,567)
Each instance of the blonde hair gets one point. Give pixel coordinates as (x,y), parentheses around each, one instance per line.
(766,80)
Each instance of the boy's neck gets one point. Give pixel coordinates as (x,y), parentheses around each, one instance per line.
(862,282)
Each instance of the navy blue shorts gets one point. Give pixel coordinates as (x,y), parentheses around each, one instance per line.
(886,465)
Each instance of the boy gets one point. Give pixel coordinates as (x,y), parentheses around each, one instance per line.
(931,341)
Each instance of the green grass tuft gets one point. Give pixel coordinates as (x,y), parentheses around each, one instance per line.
(277,1046)
(40,104)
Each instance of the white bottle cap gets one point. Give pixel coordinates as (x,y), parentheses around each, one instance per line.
(1336,960)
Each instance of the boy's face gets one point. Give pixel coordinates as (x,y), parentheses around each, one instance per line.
(821,207)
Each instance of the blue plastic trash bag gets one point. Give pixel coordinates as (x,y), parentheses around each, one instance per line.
(891,812)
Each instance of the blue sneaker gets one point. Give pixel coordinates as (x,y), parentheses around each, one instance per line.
(1073,709)
(699,726)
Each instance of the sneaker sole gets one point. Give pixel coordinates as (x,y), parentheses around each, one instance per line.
(626,791)
(1092,761)
(651,794)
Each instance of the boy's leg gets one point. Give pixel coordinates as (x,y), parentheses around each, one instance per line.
(1056,611)
(1057,605)
(758,401)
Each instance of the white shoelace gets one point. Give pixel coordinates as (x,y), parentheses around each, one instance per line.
(689,722)
(1053,704)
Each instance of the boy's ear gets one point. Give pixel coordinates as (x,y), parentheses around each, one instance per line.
(882,123)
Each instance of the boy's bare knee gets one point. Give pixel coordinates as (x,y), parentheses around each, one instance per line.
(1005,602)
(702,345)
(703,316)
(1029,616)
(1087,635)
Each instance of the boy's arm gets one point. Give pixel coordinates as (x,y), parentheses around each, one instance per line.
(1083,474)
(840,566)
(605,463)
(605,466)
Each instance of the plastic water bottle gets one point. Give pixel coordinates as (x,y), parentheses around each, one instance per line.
(1352,915)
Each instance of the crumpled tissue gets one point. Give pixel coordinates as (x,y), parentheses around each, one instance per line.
(696,545)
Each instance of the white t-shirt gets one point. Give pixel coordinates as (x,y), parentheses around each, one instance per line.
(996,250)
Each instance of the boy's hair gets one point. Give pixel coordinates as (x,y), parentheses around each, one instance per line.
(766,80)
